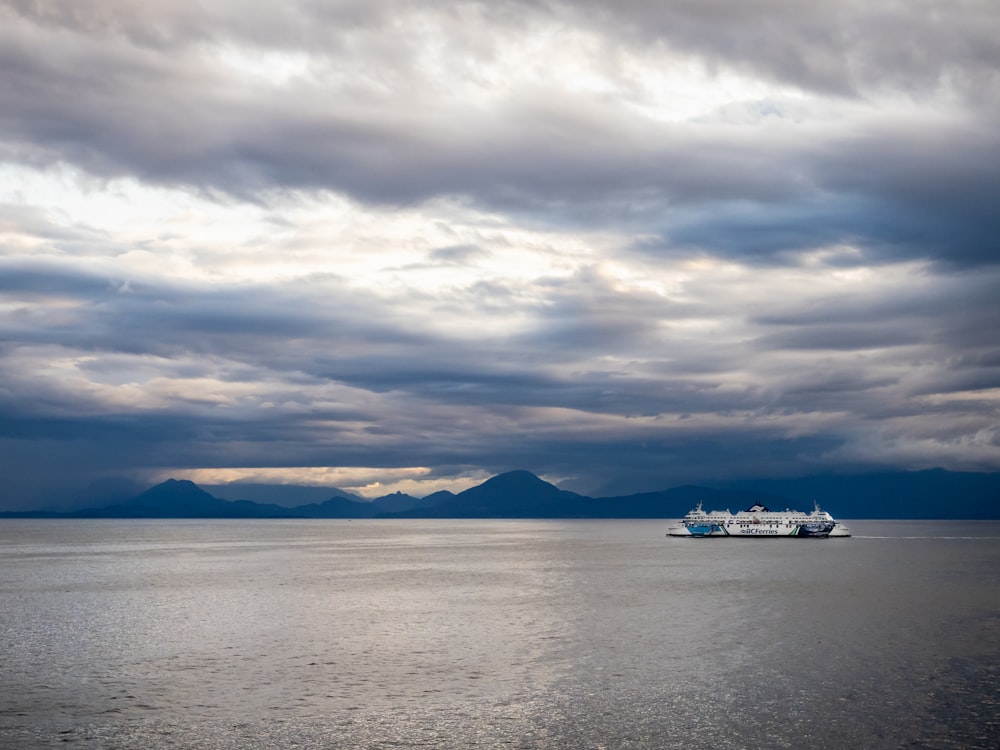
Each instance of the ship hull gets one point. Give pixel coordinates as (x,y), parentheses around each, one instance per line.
(721,532)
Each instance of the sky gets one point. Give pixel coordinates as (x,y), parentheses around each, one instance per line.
(404,246)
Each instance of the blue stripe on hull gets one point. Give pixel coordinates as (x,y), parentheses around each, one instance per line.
(815,529)
(703,530)
(700,530)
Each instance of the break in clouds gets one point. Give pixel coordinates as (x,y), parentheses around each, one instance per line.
(388,245)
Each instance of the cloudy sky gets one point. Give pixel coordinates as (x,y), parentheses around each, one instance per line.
(388,245)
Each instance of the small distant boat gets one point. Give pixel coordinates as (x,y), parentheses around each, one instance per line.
(760,522)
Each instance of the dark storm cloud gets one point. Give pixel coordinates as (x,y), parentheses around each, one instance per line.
(929,190)
(360,342)
(533,155)
(949,311)
(145,317)
(121,90)
(893,194)
(354,340)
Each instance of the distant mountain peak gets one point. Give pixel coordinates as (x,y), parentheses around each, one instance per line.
(176,485)
(518,477)
(173,490)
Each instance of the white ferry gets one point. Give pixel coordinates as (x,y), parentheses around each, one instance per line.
(758,521)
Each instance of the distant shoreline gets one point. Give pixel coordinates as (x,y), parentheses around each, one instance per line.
(925,495)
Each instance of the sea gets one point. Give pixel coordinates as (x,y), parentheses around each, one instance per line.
(236,635)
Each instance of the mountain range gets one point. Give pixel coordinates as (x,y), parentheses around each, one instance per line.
(521,494)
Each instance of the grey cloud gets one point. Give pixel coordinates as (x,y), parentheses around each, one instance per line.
(556,159)
(253,334)
(951,311)
(893,193)
(49,279)
(847,338)
(933,189)
(457,254)
(844,48)
(166,25)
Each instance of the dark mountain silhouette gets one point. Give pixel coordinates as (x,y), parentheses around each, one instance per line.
(397,501)
(335,507)
(521,494)
(341,507)
(516,494)
(180,498)
(278,494)
(436,498)
(934,493)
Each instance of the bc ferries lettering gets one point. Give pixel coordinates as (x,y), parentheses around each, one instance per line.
(755,530)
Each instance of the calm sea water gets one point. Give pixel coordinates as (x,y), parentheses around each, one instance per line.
(506,634)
